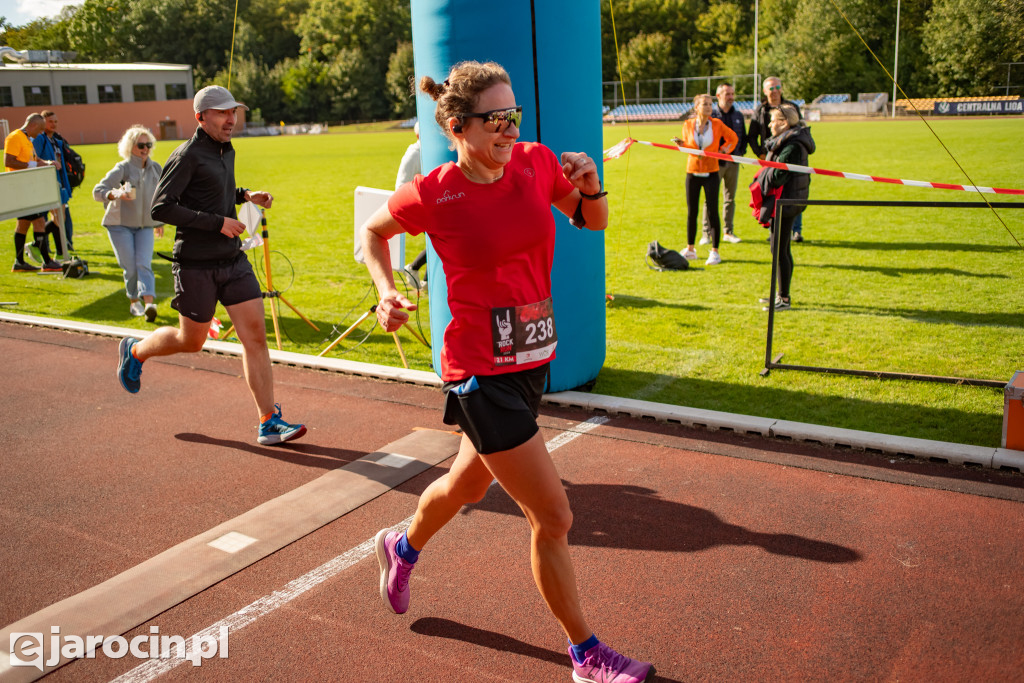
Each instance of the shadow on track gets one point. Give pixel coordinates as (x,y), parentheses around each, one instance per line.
(453,630)
(635,518)
(297,452)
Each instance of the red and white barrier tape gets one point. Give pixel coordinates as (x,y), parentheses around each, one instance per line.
(620,149)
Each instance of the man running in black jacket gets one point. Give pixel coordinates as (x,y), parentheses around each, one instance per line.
(197,194)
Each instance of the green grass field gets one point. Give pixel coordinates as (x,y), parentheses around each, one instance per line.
(931,291)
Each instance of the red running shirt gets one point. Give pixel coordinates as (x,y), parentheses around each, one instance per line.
(496,243)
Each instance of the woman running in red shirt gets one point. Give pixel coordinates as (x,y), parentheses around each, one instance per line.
(489,220)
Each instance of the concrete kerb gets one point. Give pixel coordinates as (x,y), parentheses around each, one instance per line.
(923,449)
(682,415)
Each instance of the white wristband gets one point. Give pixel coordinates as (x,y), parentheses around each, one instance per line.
(32,164)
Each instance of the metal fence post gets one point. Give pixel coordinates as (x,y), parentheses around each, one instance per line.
(769,364)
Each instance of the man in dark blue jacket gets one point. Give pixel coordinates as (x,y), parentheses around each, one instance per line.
(729,171)
(52,147)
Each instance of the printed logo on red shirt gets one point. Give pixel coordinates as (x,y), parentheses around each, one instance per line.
(449,197)
(529,172)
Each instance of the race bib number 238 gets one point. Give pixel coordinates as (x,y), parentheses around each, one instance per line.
(523,334)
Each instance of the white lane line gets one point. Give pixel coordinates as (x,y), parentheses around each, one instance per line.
(584,427)
(152,668)
(265,605)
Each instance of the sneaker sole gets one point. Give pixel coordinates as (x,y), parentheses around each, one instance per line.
(150,315)
(120,365)
(382,560)
(580,679)
(277,439)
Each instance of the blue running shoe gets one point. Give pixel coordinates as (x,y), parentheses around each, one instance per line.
(129,369)
(275,430)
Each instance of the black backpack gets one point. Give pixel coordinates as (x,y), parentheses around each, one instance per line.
(665,259)
(73,164)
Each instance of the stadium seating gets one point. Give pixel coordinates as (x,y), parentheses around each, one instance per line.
(663,111)
(657,111)
(831,99)
(667,111)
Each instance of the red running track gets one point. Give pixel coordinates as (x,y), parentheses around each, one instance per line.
(716,557)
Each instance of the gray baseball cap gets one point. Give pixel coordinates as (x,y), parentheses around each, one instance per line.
(215,97)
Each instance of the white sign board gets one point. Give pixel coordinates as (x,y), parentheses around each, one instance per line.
(367,201)
(31,190)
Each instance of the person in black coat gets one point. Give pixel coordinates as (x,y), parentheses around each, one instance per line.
(790,143)
(760,129)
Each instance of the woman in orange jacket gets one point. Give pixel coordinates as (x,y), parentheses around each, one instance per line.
(700,131)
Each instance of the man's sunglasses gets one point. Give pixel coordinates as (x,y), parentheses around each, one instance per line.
(501,118)
(775,87)
(144,145)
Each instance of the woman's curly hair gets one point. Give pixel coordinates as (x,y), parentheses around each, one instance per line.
(460,91)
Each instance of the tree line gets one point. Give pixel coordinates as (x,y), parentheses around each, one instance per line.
(947,48)
(351,60)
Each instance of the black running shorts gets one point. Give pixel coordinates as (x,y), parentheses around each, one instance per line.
(197,289)
(496,412)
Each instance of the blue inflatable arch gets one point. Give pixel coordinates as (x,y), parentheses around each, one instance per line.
(552,51)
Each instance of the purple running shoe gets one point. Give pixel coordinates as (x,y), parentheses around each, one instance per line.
(394,572)
(604,665)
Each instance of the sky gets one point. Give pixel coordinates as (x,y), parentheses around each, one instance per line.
(20,12)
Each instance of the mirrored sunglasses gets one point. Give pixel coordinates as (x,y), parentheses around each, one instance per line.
(775,87)
(499,118)
(144,145)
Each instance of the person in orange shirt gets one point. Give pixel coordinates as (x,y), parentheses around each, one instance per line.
(19,154)
(701,131)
